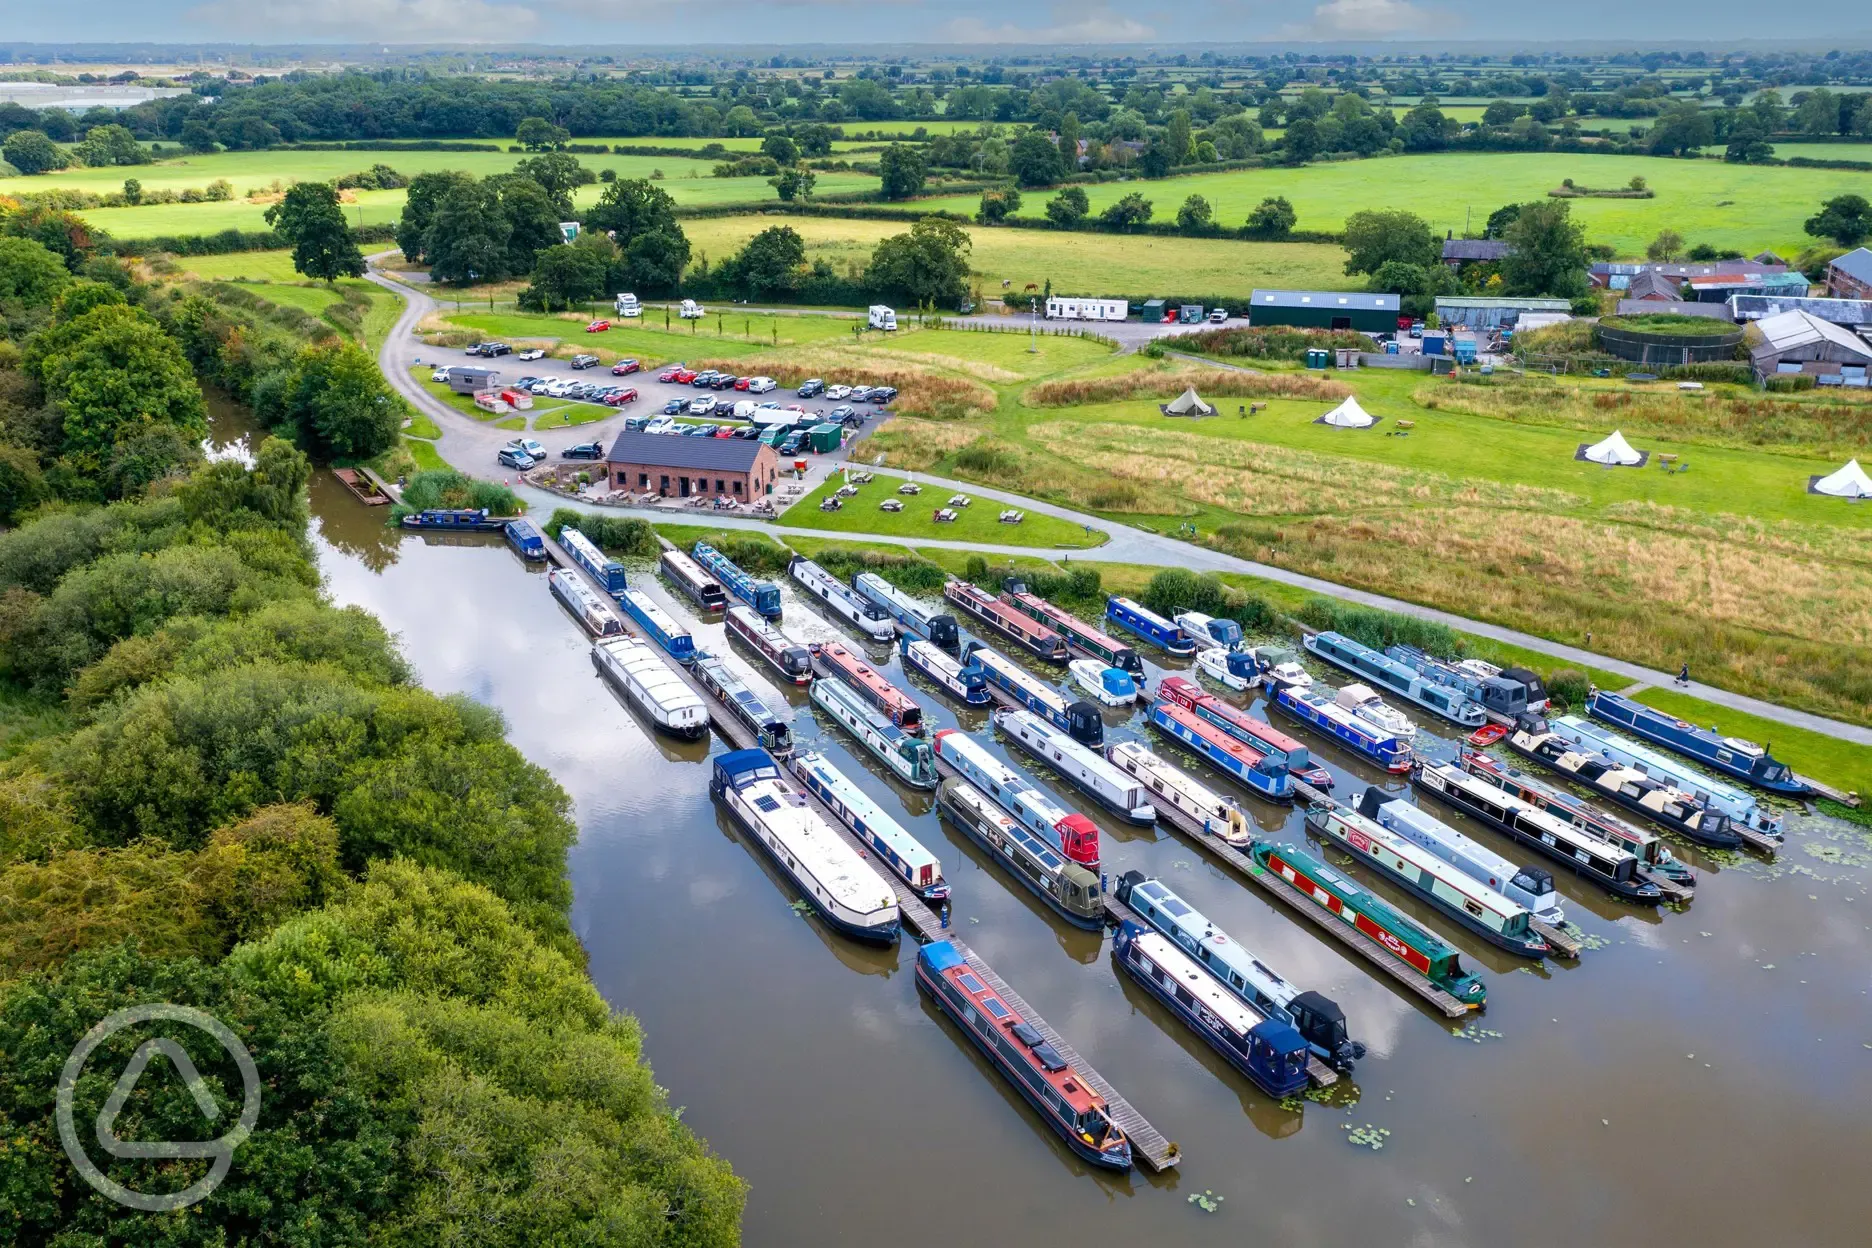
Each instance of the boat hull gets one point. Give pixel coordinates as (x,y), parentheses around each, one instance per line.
(1397,762)
(1273,788)
(1050,647)
(689,732)
(872,934)
(1143,816)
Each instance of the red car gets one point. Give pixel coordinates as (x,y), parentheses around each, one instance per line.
(625,367)
(621,397)
(669,374)
(741,383)
(597,327)
(684,376)
(726,431)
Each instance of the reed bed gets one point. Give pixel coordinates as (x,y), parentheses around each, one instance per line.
(1166,384)
(915,445)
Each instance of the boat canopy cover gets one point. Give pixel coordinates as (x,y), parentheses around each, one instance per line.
(1116,680)
(1348,415)
(1280,1037)
(941,955)
(1321,1007)
(1186,403)
(1849,482)
(737,762)
(1614,450)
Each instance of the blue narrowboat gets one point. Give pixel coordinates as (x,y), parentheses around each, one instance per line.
(1253,770)
(1078,718)
(1397,678)
(1271,1053)
(1318,710)
(1505,690)
(658,625)
(763,596)
(964,681)
(524,536)
(906,610)
(460,520)
(1732,756)
(1258,735)
(1147,624)
(608,572)
(1018,1050)
(768,726)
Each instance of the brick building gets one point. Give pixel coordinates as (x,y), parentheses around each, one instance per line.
(683,467)
(1850,276)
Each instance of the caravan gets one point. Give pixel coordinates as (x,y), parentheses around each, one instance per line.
(628,306)
(1063,308)
(692,311)
(883,318)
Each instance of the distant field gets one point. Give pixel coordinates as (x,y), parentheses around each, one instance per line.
(1708,201)
(1825,151)
(1081,263)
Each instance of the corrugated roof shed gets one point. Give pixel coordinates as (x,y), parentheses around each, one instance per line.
(1654,286)
(1838,311)
(669,450)
(1464,249)
(1808,337)
(1856,264)
(1677,307)
(1519,305)
(1325,299)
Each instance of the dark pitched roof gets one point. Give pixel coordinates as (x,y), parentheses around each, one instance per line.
(1324,299)
(1475,249)
(1654,284)
(1650,307)
(1856,263)
(670,451)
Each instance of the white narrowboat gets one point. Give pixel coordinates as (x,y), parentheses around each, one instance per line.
(1083,766)
(641,675)
(842,600)
(1172,788)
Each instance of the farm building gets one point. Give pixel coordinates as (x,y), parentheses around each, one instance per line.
(1488,312)
(1655,287)
(1679,307)
(1067,308)
(465,380)
(677,467)
(1460,251)
(1325,309)
(1852,313)
(1618,275)
(1850,276)
(1718,289)
(1799,342)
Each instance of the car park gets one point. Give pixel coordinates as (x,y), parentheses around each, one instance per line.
(624,368)
(810,387)
(597,327)
(835,393)
(583,450)
(620,395)
(585,361)
(511,457)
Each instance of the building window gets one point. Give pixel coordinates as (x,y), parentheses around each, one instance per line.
(721,486)
(643,481)
(737,489)
(663,485)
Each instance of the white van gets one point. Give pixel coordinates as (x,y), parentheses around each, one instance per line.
(692,311)
(883,317)
(744,409)
(627,305)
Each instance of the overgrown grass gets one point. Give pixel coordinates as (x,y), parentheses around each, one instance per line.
(1166,385)
(432,490)
(921,392)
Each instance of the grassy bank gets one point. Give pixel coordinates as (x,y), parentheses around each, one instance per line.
(1839,763)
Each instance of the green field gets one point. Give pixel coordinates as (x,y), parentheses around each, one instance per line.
(976,523)
(1825,151)
(1707,201)
(733,333)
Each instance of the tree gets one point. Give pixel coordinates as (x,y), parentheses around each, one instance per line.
(1681,129)
(1846,219)
(559,174)
(997,205)
(564,275)
(311,220)
(1501,112)
(1129,211)
(793,183)
(1302,140)
(1035,162)
(341,403)
(30,275)
(1155,160)
(782,149)
(629,207)
(467,237)
(1548,252)
(197,137)
(902,169)
(929,264)
(1668,245)
(132,191)
(1273,217)
(1818,114)
(30,151)
(1373,237)
(1178,145)
(1195,215)
(1500,220)
(532,222)
(537,134)
(1747,144)
(1068,208)
(114,372)
(655,259)
(1069,135)
(426,192)
(772,263)
(111,145)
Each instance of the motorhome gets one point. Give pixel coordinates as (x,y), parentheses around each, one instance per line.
(627,305)
(882,317)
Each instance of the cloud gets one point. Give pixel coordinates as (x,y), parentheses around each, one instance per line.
(1098,25)
(1367,19)
(427,21)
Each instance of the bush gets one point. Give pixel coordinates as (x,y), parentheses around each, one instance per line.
(615,535)
(907,572)
(986,457)
(1791,383)
(1568,685)
(451,490)
(1178,589)
(1379,629)
(1271,342)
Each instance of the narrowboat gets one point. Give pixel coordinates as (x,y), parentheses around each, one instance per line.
(1629,787)
(1069,888)
(1493,917)
(1399,679)
(1280,665)
(687,575)
(906,610)
(1069,832)
(1741,807)
(1229,668)
(458,520)
(584,603)
(842,600)
(845,890)
(963,681)
(658,625)
(1078,717)
(1172,788)
(1257,734)
(526,539)
(1654,856)
(852,806)
(1136,618)
(1243,764)
(1316,708)
(641,675)
(1057,1092)
(1733,756)
(1317,1017)
(908,757)
(769,727)
(1364,702)
(763,596)
(1507,691)
(869,683)
(1607,865)
(608,572)
(1530,887)
(1078,633)
(1363,911)
(782,653)
(1112,686)
(1210,630)
(1271,1053)
(1086,768)
(1027,633)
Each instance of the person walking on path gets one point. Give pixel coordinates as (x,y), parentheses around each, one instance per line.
(1683,676)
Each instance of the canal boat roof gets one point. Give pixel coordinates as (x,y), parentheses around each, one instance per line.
(820,850)
(663,686)
(1050,859)
(1655,761)
(1215,737)
(1263,731)
(1237,1015)
(881,822)
(1204,931)
(1424,860)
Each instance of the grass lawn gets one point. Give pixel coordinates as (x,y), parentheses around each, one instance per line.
(730,333)
(1838,763)
(1744,206)
(421,426)
(685,536)
(1825,151)
(1086,263)
(570,414)
(1009,352)
(314,298)
(511,422)
(977,523)
(466,404)
(254,266)
(425,454)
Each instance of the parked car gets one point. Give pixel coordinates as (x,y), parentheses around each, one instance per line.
(597,327)
(842,413)
(440,374)
(860,394)
(723,381)
(747,432)
(528,447)
(726,431)
(490,349)
(810,387)
(883,394)
(692,311)
(532,353)
(761,385)
(524,382)
(835,393)
(659,424)
(702,379)
(509,457)
(669,374)
(701,431)
(742,383)
(703,406)
(620,395)
(674,406)
(1218,315)
(684,376)
(557,388)
(585,361)
(791,444)
(583,450)
(624,368)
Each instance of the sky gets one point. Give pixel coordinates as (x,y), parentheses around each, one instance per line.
(740,23)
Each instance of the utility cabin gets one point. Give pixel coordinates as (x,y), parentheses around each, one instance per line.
(1325,309)
(463,379)
(1067,308)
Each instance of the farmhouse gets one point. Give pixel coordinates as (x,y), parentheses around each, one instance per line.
(1489,312)
(1850,276)
(1461,251)
(1325,309)
(659,463)
(1798,342)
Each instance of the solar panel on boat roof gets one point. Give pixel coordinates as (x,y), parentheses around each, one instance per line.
(971,983)
(767,803)
(994,1007)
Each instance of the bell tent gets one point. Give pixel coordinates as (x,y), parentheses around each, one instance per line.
(1614,452)
(1348,415)
(1189,403)
(1849,482)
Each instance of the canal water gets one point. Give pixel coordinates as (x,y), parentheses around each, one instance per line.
(1698,1076)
